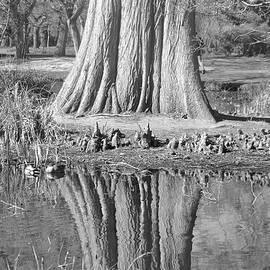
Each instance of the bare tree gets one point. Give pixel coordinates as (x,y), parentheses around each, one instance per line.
(19,11)
(72,10)
(37,22)
(136,56)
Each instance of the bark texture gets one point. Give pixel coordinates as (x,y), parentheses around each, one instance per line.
(134,61)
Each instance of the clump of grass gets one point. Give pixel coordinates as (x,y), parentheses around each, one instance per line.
(256,99)
(35,82)
(25,119)
(247,99)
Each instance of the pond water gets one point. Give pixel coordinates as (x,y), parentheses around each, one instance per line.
(111,219)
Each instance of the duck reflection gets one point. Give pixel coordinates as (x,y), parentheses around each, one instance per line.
(141,220)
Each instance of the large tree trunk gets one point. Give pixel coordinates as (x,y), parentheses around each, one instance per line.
(62,40)
(136,61)
(180,69)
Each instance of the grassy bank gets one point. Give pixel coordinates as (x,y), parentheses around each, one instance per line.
(29,133)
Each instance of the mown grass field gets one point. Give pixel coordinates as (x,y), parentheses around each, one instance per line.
(234,69)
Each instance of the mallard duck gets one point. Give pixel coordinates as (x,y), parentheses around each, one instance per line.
(55,168)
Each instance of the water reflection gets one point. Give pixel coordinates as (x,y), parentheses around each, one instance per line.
(163,219)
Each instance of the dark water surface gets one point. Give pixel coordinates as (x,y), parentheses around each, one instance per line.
(108,219)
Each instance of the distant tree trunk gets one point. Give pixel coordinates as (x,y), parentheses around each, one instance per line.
(82,24)
(21,23)
(75,34)
(62,40)
(48,36)
(35,37)
(136,61)
(10,42)
(20,42)
(4,42)
(43,37)
(26,35)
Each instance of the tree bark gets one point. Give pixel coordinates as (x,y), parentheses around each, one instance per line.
(35,37)
(62,40)
(134,61)
(180,69)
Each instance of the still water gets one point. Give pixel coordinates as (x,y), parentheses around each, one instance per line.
(111,219)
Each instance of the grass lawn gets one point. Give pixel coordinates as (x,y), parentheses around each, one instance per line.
(242,70)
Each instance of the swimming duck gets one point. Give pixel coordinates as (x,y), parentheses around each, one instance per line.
(55,168)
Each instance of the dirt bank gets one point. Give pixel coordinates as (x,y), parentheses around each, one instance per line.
(165,127)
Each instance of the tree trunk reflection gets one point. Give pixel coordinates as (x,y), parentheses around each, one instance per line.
(135,221)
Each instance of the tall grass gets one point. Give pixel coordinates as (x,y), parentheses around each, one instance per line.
(246,99)
(25,118)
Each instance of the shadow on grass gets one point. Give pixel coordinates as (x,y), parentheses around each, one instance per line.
(221,117)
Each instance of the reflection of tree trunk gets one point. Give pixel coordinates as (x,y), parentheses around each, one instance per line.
(177,214)
(108,227)
(90,205)
(145,222)
(127,200)
(94,214)
(66,188)
(62,40)
(155,227)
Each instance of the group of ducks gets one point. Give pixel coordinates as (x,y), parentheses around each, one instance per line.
(52,171)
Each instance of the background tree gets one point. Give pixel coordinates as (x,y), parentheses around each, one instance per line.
(73,11)
(37,22)
(136,56)
(20,11)
(233,26)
